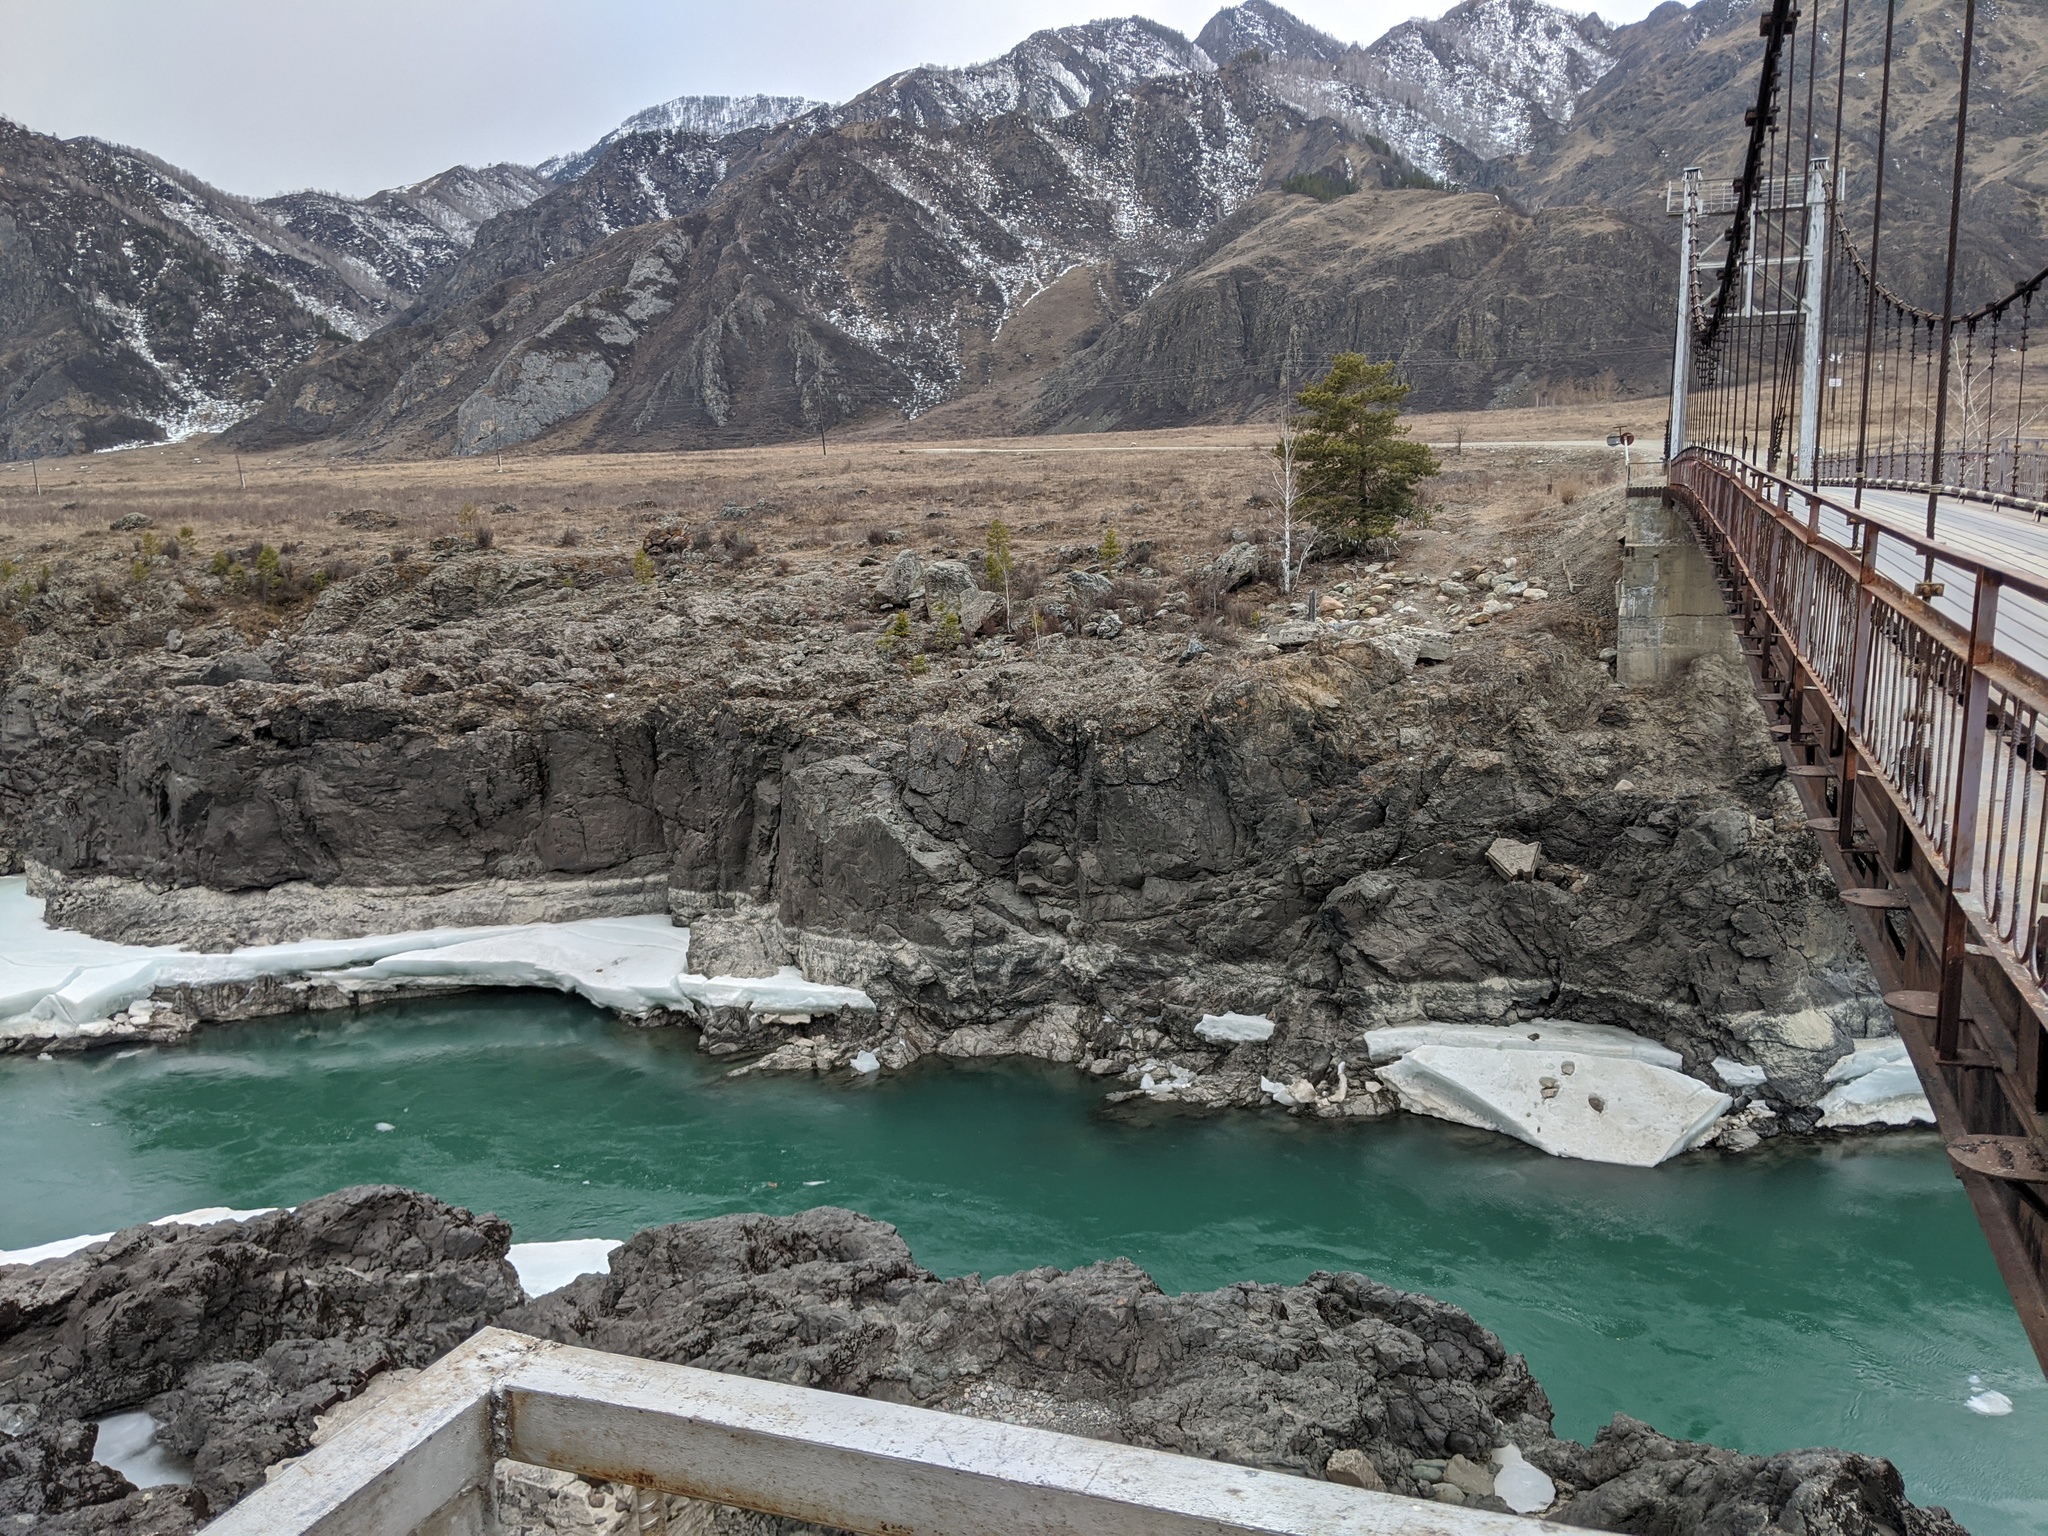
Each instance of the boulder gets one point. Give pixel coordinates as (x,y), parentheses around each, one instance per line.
(902,581)
(1512,860)
(1355,1469)
(947,582)
(1088,586)
(1237,566)
(979,611)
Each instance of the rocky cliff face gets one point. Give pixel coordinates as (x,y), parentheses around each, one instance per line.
(283,1318)
(1075,850)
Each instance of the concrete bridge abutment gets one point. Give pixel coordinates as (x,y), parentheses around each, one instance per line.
(1668,604)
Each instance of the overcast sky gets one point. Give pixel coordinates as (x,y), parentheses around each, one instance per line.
(263,96)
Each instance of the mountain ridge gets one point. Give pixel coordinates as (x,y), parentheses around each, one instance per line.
(310,317)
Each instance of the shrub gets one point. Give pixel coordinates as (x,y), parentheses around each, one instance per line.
(950,635)
(1320,185)
(221,562)
(643,568)
(1112,549)
(895,636)
(569,538)
(484,536)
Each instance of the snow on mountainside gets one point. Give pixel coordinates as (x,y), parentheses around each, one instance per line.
(138,303)
(1259,26)
(401,239)
(712,117)
(1488,79)
(861,268)
(1048,75)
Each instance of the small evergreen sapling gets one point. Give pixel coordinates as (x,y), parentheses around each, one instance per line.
(998,562)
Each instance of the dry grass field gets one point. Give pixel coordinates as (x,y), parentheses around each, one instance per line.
(252,542)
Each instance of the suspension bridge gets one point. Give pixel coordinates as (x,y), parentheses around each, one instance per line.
(1867,471)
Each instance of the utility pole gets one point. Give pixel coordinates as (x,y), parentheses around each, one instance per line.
(1810,304)
(239,476)
(1681,349)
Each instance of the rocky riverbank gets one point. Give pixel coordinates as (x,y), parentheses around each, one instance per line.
(1136,806)
(243,1339)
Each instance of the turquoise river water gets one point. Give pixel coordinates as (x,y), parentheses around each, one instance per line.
(1820,1294)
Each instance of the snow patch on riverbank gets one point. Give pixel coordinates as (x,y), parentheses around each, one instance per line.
(66,982)
(63,1246)
(545,1267)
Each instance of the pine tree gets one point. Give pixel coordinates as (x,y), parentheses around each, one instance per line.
(1359,471)
(1112,549)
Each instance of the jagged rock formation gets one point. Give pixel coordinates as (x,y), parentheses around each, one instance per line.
(1276,1377)
(237,1335)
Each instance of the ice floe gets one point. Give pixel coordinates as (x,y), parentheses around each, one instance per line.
(1992,1404)
(1573,1090)
(1875,1084)
(67,982)
(1739,1074)
(206,1216)
(545,1267)
(1524,1488)
(1235,1028)
(1537,1035)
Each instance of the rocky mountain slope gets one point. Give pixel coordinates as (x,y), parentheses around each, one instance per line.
(1478,302)
(940,176)
(1337,1377)
(137,302)
(856,270)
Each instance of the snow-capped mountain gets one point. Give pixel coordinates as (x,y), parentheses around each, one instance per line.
(1048,75)
(1488,80)
(137,302)
(732,268)
(401,239)
(711,117)
(1262,28)
(849,268)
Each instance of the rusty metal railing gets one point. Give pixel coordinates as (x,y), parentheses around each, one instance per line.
(1907,686)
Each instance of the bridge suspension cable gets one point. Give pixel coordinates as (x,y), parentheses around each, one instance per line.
(1861,466)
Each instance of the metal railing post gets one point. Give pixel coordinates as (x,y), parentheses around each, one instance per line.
(1962,857)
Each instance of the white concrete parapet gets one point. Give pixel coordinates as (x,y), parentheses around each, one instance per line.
(423,1457)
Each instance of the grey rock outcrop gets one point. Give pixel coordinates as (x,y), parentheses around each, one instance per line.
(236,1335)
(1337,1376)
